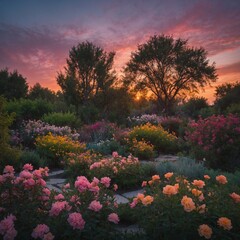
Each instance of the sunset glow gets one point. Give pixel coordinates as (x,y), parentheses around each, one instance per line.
(36,36)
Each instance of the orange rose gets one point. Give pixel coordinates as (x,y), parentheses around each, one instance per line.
(225,223)
(198,183)
(206,177)
(140,196)
(205,231)
(188,204)
(168,175)
(196,192)
(155,178)
(147,200)
(221,179)
(170,190)
(235,197)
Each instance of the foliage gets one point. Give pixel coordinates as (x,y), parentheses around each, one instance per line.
(108,146)
(142,150)
(62,119)
(155,135)
(154,119)
(172,124)
(217,140)
(12,85)
(31,157)
(29,209)
(88,72)
(55,148)
(126,172)
(31,129)
(226,95)
(184,167)
(8,154)
(26,109)
(192,108)
(101,130)
(175,208)
(169,68)
(39,92)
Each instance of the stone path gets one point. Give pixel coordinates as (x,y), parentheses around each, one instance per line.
(56,181)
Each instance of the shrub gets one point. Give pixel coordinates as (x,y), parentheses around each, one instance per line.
(124,171)
(172,125)
(217,139)
(30,210)
(55,148)
(184,166)
(8,154)
(31,157)
(107,147)
(97,131)
(26,109)
(142,150)
(145,118)
(175,208)
(62,119)
(155,135)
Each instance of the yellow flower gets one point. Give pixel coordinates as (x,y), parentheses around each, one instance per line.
(205,231)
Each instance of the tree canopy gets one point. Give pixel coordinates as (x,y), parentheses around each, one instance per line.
(88,72)
(169,69)
(12,85)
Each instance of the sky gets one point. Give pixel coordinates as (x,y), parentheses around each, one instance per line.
(36,35)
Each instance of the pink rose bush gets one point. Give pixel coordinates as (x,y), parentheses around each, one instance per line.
(29,210)
(183,209)
(122,170)
(217,140)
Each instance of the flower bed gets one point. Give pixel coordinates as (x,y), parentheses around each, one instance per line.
(29,209)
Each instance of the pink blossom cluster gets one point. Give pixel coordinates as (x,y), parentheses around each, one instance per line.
(42,231)
(116,163)
(7,229)
(213,132)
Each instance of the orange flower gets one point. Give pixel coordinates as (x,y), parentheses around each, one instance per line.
(196,192)
(188,204)
(168,175)
(235,197)
(176,186)
(147,200)
(205,231)
(150,182)
(221,179)
(170,190)
(206,177)
(201,208)
(140,196)
(198,183)
(155,178)
(185,181)
(225,223)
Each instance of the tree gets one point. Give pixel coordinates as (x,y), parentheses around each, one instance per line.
(169,69)
(12,85)
(88,72)
(227,96)
(37,91)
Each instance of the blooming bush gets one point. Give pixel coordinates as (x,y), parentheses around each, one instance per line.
(30,209)
(124,171)
(142,150)
(217,139)
(55,148)
(145,118)
(175,208)
(101,130)
(155,135)
(32,128)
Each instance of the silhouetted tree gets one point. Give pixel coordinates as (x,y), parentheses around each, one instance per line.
(169,69)
(227,95)
(39,92)
(12,85)
(88,72)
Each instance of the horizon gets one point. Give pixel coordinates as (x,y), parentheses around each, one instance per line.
(37,36)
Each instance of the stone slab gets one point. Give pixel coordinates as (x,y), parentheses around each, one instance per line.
(120,199)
